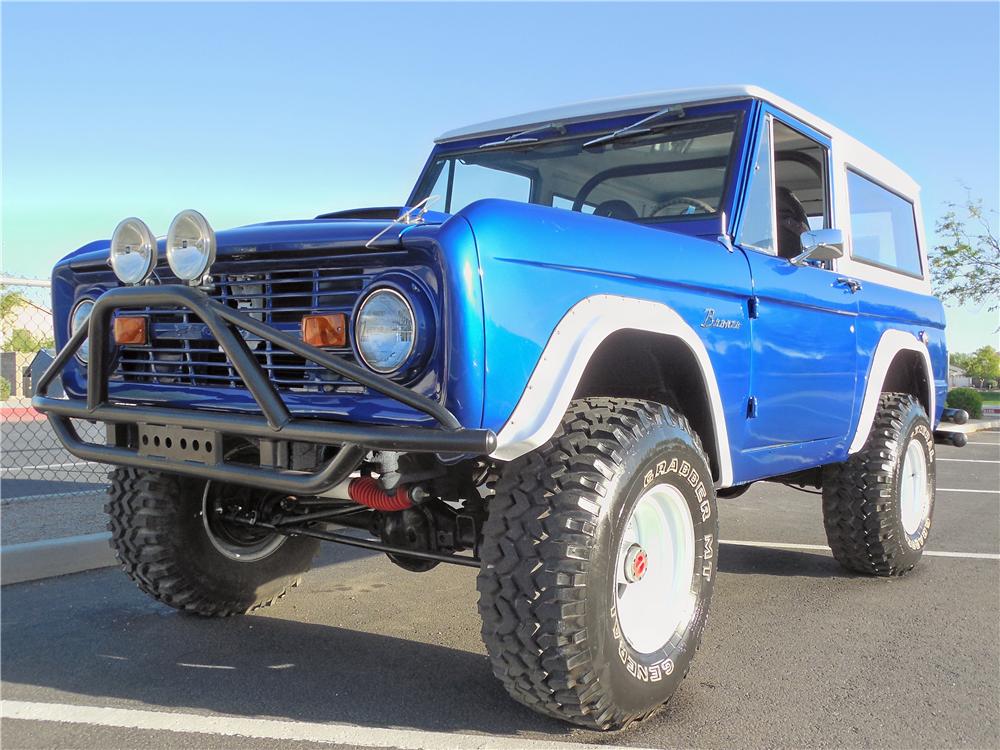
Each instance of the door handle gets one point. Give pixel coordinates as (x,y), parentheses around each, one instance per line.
(853,284)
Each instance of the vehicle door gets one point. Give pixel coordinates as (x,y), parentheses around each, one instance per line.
(803,315)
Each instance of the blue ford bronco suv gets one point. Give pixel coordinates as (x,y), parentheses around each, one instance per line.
(585,326)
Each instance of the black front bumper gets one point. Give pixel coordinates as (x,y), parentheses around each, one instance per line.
(275,423)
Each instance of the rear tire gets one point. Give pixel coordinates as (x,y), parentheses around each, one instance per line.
(620,497)
(160,536)
(878,505)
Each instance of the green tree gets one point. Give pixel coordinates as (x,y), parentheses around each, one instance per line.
(966,263)
(985,364)
(22,340)
(10,303)
(961,360)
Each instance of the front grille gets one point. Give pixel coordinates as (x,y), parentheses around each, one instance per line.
(183,352)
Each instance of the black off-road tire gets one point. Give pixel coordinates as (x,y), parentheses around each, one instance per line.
(549,555)
(861,497)
(158,535)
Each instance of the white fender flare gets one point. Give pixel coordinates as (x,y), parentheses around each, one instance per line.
(566,355)
(892,342)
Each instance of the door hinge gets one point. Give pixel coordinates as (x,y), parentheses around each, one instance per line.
(753,306)
(752,407)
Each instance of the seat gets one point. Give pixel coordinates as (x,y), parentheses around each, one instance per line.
(792,222)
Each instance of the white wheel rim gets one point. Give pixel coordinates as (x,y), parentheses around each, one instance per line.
(914,489)
(654,569)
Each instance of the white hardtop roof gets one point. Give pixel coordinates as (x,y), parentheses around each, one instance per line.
(637,103)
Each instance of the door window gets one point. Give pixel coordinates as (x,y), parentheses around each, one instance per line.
(800,183)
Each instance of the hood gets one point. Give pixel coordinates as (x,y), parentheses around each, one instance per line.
(328,231)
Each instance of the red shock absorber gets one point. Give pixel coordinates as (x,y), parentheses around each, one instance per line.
(365,491)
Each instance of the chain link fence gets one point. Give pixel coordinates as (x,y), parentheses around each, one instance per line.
(32,461)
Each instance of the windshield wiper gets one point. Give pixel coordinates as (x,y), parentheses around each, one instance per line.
(636,128)
(524,136)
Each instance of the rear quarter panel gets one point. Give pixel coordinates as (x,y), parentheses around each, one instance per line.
(882,308)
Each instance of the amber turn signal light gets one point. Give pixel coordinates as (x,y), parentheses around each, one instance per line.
(130,331)
(325,330)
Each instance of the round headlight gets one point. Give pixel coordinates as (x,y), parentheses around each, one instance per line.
(77,320)
(190,246)
(385,330)
(133,251)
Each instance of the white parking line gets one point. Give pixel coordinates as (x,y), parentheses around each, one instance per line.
(99,489)
(971,460)
(269,729)
(824,548)
(955,489)
(970,555)
(45,466)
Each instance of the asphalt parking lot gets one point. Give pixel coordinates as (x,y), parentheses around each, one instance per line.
(797,652)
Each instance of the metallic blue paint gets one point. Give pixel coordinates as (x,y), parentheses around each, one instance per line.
(805,354)
(500,275)
(537,262)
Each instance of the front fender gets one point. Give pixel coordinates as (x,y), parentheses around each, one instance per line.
(557,283)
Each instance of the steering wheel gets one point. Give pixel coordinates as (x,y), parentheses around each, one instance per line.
(683,200)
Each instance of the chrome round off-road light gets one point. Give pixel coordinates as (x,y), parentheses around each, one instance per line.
(190,246)
(385,330)
(133,251)
(77,320)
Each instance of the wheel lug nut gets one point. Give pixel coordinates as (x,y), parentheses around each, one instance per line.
(636,563)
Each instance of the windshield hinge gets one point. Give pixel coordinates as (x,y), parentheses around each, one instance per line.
(753,306)
(724,238)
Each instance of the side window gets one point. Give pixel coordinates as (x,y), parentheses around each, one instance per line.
(883,227)
(757,229)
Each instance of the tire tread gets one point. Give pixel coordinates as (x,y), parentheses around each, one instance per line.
(858,497)
(142,511)
(536,553)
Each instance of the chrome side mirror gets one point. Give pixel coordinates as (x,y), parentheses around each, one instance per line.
(820,244)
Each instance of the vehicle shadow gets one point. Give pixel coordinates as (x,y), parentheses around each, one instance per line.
(94,635)
(734,558)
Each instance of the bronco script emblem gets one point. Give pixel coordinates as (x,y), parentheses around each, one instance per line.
(711,321)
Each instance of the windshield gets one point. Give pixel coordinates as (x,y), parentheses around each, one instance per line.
(676,171)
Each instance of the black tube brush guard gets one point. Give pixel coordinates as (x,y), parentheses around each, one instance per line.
(275,422)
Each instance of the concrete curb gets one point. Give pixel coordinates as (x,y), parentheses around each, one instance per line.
(48,558)
(973,425)
(20,414)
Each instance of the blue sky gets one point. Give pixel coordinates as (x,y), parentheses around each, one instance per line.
(253,112)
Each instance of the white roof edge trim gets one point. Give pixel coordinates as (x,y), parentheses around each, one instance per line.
(618,105)
(637,103)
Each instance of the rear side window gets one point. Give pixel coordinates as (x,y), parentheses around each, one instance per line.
(883,227)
